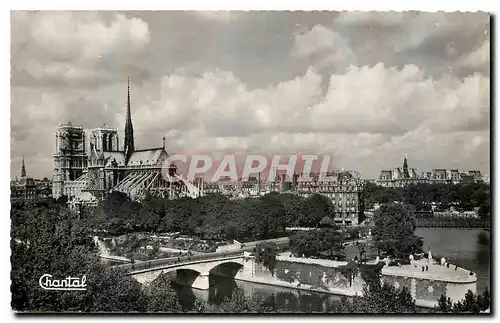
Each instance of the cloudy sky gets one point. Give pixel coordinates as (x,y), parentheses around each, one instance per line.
(364,87)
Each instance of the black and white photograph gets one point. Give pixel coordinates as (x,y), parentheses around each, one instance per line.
(250,162)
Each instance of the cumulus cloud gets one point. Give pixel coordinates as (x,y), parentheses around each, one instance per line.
(220,16)
(370,19)
(392,112)
(322,47)
(479,60)
(74,47)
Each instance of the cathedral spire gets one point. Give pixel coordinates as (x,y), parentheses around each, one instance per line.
(406,174)
(129,129)
(23,169)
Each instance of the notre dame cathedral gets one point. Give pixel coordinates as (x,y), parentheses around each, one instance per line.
(85,177)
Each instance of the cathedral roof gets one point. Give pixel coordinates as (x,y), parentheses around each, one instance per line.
(147,157)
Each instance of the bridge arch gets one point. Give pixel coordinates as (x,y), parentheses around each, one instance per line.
(194,274)
(191,277)
(226,269)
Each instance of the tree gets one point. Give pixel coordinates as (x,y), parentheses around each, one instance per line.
(353,233)
(48,239)
(362,250)
(215,218)
(161,296)
(112,291)
(394,230)
(275,212)
(184,209)
(483,238)
(385,299)
(252,222)
(151,214)
(327,222)
(378,299)
(444,305)
(293,208)
(470,304)
(369,195)
(265,254)
(324,243)
(314,208)
(484,210)
(236,303)
(349,271)
(117,214)
(231,230)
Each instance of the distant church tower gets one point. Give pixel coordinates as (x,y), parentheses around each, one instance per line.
(129,129)
(23,170)
(406,174)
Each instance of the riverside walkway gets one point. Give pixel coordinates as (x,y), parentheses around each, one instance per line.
(435,272)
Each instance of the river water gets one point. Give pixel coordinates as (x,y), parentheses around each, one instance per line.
(457,246)
(460,247)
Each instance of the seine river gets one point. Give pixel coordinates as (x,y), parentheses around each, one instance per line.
(457,246)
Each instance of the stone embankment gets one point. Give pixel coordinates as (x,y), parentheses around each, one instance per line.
(322,275)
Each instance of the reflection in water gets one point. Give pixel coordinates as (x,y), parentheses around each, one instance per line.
(277,298)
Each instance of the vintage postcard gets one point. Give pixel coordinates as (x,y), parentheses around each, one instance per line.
(250,162)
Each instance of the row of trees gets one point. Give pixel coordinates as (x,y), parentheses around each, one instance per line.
(47,239)
(216,216)
(211,217)
(465,196)
(393,234)
(470,304)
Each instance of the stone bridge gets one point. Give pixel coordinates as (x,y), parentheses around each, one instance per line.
(192,271)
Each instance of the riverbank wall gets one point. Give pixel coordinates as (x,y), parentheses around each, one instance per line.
(319,275)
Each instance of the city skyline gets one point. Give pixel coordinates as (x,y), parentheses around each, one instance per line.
(289,81)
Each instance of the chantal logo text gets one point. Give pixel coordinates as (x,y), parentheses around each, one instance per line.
(69,283)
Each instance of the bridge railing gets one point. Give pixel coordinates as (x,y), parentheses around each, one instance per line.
(249,246)
(176,260)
